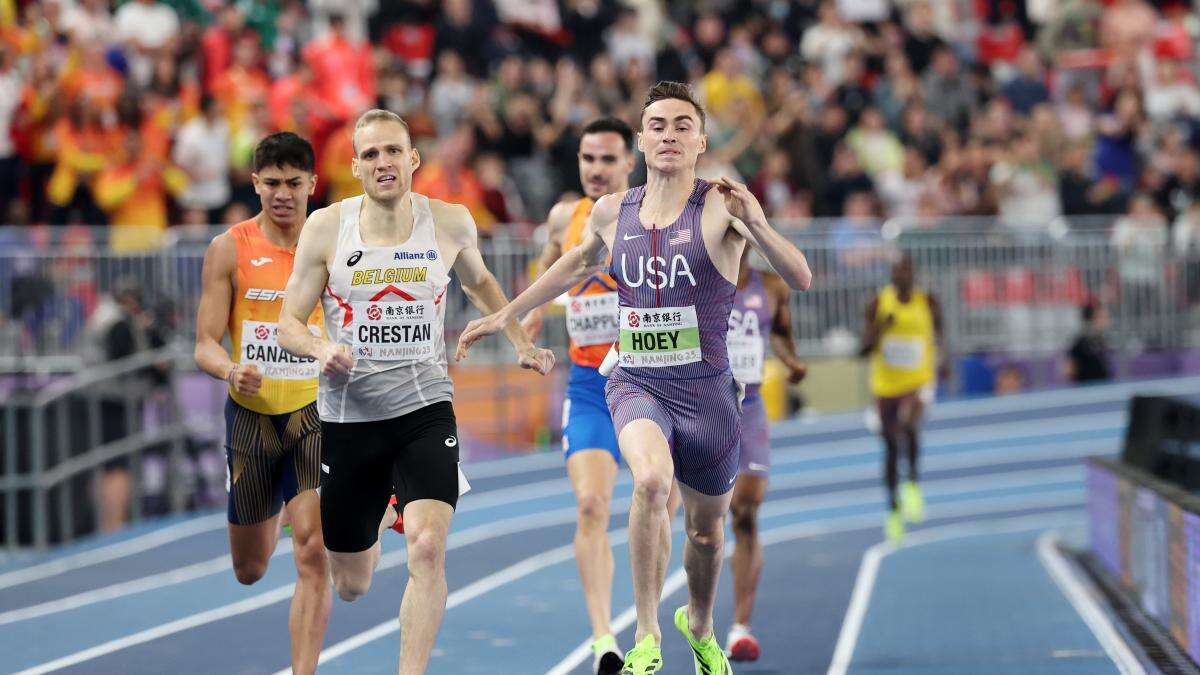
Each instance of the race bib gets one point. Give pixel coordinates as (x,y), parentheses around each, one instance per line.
(903,352)
(393,331)
(592,319)
(260,346)
(746,357)
(659,337)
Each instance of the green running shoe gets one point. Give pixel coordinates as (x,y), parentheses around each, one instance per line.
(606,657)
(912,503)
(644,659)
(893,527)
(710,658)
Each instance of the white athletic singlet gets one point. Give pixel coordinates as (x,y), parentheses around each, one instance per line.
(388,304)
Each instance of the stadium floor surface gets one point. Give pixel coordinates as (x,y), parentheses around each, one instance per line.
(977,588)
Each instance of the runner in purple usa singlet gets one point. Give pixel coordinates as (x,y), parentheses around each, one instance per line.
(748,339)
(673,366)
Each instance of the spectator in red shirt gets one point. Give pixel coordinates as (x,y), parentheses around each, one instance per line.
(217,44)
(344,71)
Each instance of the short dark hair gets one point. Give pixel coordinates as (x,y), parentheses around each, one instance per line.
(677,90)
(612,125)
(1089,310)
(283,149)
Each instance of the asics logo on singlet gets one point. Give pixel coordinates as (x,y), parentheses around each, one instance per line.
(259,262)
(654,271)
(451,442)
(265,294)
(353,259)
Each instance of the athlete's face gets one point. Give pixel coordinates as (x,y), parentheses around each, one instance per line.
(671,137)
(384,160)
(284,192)
(902,273)
(605,163)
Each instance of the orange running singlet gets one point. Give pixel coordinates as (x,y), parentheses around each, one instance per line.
(289,382)
(592,316)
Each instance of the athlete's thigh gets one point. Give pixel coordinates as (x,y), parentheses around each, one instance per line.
(356,483)
(305,512)
(587,423)
(592,472)
(912,409)
(426,465)
(301,471)
(254,454)
(253,544)
(645,448)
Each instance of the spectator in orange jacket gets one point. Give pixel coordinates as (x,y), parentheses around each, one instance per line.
(134,193)
(344,71)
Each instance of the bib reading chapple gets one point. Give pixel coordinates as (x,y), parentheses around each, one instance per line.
(659,337)
(593,319)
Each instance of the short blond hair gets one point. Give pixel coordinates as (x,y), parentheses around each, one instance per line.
(377,115)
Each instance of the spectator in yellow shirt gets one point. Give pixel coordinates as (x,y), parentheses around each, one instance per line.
(134,194)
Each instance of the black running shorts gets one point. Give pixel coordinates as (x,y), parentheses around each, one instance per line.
(416,453)
(270,459)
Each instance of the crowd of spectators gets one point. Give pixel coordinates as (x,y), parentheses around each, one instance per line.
(146,111)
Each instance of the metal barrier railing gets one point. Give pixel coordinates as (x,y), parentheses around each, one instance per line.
(55,445)
(1002,289)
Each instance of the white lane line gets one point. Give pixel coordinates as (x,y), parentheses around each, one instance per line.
(817,528)
(140,585)
(558,486)
(488,531)
(1086,605)
(517,524)
(121,549)
(864,585)
(811,528)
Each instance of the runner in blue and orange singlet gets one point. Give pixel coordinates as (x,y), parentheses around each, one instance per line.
(589,442)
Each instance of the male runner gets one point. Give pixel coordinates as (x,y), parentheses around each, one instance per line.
(675,257)
(272,433)
(380,265)
(760,315)
(589,442)
(903,337)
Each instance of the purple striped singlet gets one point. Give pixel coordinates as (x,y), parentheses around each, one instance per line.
(749,338)
(673,367)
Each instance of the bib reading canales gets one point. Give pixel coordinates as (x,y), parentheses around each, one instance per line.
(659,337)
(260,346)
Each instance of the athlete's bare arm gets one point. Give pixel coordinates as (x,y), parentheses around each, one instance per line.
(456,224)
(556,223)
(782,340)
(212,318)
(310,274)
(748,222)
(872,328)
(578,263)
(939,336)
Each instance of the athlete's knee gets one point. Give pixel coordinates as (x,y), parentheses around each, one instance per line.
(592,509)
(351,587)
(653,488)
(707,536)
(426,552)
(249,571)
(744,516)
(311,559)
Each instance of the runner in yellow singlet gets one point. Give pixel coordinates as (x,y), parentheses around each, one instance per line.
(903,338)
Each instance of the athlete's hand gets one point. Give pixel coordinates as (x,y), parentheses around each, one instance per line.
(335,359)
(536,358)
(740,202)
(797,372)
(476,329)
(532,323)
(246,379)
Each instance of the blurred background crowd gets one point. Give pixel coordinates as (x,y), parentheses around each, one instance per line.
(146,111)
